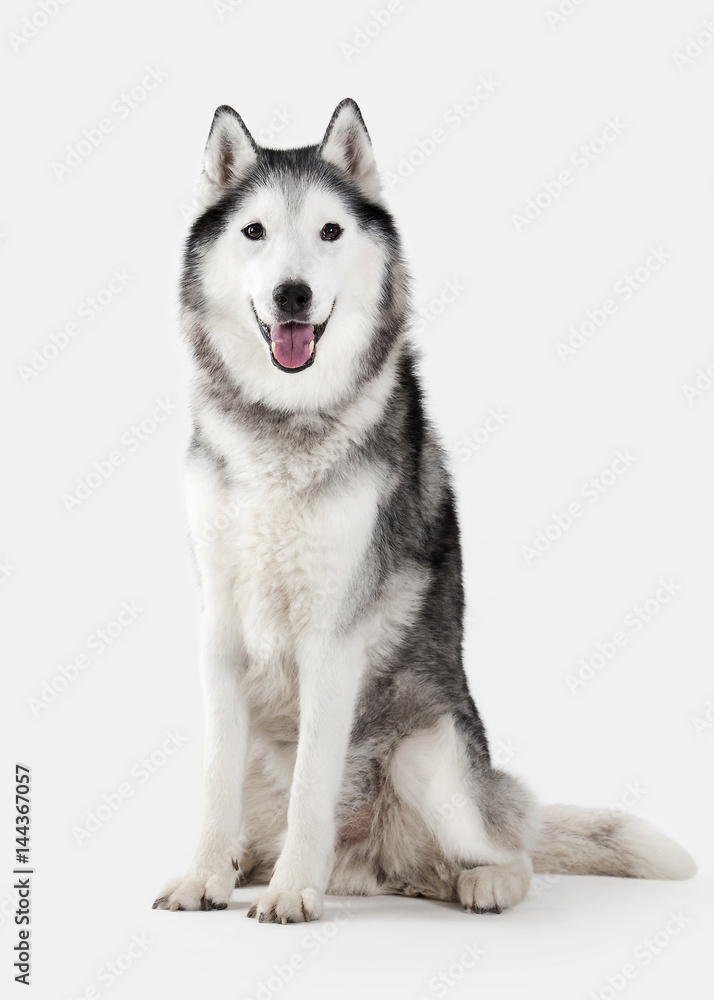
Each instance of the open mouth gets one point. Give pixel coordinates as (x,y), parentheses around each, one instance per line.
(292,345)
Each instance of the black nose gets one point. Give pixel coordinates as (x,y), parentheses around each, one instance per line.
(292,297)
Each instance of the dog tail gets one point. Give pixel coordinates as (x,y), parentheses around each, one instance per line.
(577,841)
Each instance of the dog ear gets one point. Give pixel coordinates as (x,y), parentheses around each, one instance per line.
(347,145)
(230,152)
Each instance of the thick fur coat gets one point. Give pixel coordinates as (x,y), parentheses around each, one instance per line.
(344,753)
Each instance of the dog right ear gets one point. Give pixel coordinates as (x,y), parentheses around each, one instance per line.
(230,153)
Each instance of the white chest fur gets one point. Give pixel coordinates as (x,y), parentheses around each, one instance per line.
(281,539)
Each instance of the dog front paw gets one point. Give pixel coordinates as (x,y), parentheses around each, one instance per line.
(198,891)
(287,906)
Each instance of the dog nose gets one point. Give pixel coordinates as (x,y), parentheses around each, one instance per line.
(292,297)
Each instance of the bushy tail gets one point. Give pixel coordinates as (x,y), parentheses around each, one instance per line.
(577,841)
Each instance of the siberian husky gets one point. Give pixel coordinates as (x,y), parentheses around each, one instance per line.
(344,753)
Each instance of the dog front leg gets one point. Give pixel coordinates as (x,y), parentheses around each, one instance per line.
(212,876)
(330,677)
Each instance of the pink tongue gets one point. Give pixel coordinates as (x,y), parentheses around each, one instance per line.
(292,343)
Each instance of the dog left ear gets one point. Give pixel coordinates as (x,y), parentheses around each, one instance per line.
(347,145)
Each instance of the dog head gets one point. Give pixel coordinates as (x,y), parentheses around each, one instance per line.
(293,278)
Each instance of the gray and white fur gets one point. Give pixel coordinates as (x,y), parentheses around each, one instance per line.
(344,753)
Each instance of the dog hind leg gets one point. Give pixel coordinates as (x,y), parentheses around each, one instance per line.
(478,817)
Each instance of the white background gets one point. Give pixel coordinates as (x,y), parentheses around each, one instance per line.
(124,207)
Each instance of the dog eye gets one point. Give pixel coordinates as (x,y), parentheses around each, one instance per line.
(330,232)
(254,231)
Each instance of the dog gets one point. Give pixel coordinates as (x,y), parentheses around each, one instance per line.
(338,719)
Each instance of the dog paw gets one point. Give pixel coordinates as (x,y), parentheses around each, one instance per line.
(287,906)
(493,888)
(200,891)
